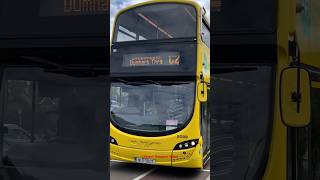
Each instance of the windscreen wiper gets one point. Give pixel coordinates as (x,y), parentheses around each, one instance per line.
(46,62)
(167,82)
(76,71)
(122,80)
(154,82)
(157,125)
(174,82)
(43,61)
(223,70)
(131,83)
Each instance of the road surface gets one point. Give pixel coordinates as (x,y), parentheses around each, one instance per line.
(129,171)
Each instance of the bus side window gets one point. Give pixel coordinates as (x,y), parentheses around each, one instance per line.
(205,34)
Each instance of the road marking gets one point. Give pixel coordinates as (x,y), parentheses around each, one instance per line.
(117,161)
(204,170)
(144,174)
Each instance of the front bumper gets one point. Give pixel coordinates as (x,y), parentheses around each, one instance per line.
(187,158)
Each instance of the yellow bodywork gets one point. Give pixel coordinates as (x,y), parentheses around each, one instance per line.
(290,24)
(161,148)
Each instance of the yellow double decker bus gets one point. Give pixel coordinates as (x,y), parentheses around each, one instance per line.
(265,87)
(160,76)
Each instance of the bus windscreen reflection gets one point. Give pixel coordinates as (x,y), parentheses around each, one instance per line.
(54,125)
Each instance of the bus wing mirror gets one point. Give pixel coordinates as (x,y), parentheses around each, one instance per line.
(295,97)
(202,92)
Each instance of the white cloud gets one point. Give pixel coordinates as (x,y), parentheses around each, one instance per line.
(117,5)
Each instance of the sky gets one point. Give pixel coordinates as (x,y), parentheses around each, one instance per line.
(116,5)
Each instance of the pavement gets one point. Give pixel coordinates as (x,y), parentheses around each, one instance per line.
(132,171)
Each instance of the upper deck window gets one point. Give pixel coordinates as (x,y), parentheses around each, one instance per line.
(156,21)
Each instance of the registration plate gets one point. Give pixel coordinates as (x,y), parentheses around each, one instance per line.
(145,160)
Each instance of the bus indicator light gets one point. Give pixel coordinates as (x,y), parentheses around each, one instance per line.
(186,144)
(113,141)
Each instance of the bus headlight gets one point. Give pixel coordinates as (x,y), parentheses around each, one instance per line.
(186,144)
(113,141)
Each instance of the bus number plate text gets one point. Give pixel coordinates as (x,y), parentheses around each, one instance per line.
(145,160)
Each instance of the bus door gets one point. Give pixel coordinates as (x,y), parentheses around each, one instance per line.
(205,125)
(304,143)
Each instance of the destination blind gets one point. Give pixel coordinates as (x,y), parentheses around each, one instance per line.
(152,59)
(73,7)
(64,22)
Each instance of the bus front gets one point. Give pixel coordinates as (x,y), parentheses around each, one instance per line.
(155,111)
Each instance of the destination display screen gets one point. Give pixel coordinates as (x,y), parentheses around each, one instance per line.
(73,7)
(151,59)
(53,23)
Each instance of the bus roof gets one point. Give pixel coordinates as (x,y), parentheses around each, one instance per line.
(191,2)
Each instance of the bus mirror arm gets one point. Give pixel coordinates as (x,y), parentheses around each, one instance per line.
(202,81)
(202,89)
